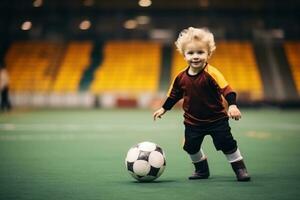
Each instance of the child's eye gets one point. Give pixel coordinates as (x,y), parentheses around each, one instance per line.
(200,52)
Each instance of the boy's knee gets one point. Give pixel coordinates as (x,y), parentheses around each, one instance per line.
(229,150)
(191,149)
(227,147)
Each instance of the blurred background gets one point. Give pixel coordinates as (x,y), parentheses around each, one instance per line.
(60,60)
(121,53)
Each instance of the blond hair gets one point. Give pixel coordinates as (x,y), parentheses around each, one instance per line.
(192,34)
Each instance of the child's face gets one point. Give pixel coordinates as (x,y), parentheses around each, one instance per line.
(196,54)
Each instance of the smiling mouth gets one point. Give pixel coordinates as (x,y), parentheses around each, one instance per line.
(196,63)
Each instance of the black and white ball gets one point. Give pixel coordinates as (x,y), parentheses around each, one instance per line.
(145,161)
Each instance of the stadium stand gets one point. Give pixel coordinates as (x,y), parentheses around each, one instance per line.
(75,61)
(237,63)
(292,50)
(128,66)
(32,65)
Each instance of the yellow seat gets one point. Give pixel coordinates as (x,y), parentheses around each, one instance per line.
(74,63)
(292,50)
(30,65)
(128,66)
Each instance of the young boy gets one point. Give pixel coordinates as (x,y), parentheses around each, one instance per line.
(202,86)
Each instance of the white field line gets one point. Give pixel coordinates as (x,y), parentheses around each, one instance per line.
(85,127)
(47,137)
(69,132)
(143,127)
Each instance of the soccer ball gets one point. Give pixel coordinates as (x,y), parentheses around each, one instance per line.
(145,161)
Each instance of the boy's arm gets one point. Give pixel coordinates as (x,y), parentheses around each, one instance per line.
(160,112)
(227,92)
(169,103)
(233,111)
(174,95)
(231,98)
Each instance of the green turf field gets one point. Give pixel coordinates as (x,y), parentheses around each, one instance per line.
(79,154)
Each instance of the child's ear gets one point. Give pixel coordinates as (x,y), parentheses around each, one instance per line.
(184,57)
(209,54)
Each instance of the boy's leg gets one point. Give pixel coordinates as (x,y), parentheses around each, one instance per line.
(238,165)
(2,101)
(8,104)
(223,140)
(201,170)
(197,157)
(192,144)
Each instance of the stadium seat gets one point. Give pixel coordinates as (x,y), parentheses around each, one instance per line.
(128,66)
(75,61)
(32,65)
(292,50)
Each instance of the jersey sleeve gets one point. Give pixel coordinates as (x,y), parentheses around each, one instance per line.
(220,80)
(174,94)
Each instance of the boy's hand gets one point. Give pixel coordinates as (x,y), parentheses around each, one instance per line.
(158,113)
(234,112)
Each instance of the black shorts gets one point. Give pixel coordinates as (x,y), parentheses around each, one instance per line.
(219,131)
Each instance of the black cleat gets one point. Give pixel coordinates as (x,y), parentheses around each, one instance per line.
(240,171)
(242,175)
(201,170)
(199,175)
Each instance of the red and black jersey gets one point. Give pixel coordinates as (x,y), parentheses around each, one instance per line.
(202,95)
